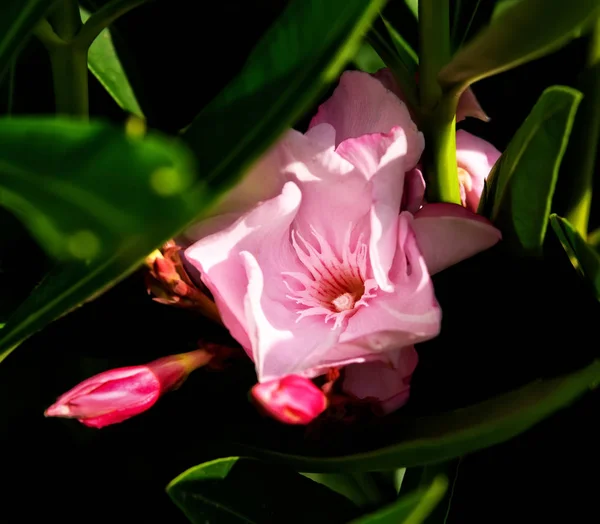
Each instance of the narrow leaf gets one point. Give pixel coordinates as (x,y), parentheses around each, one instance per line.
(430,439)
(582,255)
(413,508)
(523,32)
(105,65)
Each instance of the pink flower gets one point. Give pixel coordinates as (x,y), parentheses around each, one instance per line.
(291,399)
(330,270)
(116,395)
(475,158)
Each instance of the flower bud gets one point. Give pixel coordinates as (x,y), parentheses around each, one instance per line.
(168,280)
(291,399)
(118,394)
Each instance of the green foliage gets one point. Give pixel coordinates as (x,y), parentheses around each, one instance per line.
(520,188)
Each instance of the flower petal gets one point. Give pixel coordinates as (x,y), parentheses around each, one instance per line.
(361,105)
(449,233)
(282,345)
(388,382)
(217,256)
(414,191)
(409,315)
(381,158)
(468,105)
(476,157)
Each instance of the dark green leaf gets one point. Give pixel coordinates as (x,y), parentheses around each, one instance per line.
(237,490)
(361,488)
(583,257)
(17,20)
(297,58)
(425,440)
(105,65)
(96,199)
(521,185)
(87,193)
(413,508)
(523,32)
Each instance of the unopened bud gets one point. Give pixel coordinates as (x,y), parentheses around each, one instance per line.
(291,399)
(116,395)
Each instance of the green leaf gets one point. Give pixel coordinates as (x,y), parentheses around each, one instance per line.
(17,20)
(360,488)
(523,32)
(413,5)
(96,199)
(286,72)
(105,65)
(435,438)
(413,508)
(422,476)
(238,490)
(583,257)
(367,59)
(84,192)
(520,187)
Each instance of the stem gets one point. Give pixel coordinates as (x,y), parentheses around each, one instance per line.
(438,108)
(65,19)
(586,138)
(70,75)
(69,63)
(102,18)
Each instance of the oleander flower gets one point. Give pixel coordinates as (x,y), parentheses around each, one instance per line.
(322,265)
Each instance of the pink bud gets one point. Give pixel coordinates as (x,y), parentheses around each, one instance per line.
(116,395)
(291,399)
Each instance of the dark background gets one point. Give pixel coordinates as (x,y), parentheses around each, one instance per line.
(506,321)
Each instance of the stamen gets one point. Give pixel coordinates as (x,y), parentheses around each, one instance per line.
(331,287)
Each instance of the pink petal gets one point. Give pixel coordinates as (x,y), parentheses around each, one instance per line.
(380,157)
(468,105)
(282,345)
(476,157)
(414,191)
(388,382)
(409,315)
(449,233)
(218,259)
(361,105)
(335,194)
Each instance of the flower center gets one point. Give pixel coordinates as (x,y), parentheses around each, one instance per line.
(331,287)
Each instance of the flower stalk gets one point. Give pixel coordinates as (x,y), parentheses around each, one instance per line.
(438,109)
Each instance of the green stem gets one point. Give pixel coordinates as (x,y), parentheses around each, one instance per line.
(586,138)
(102,18)
(65,19)
(69,63)
(438,109)
(70,74)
